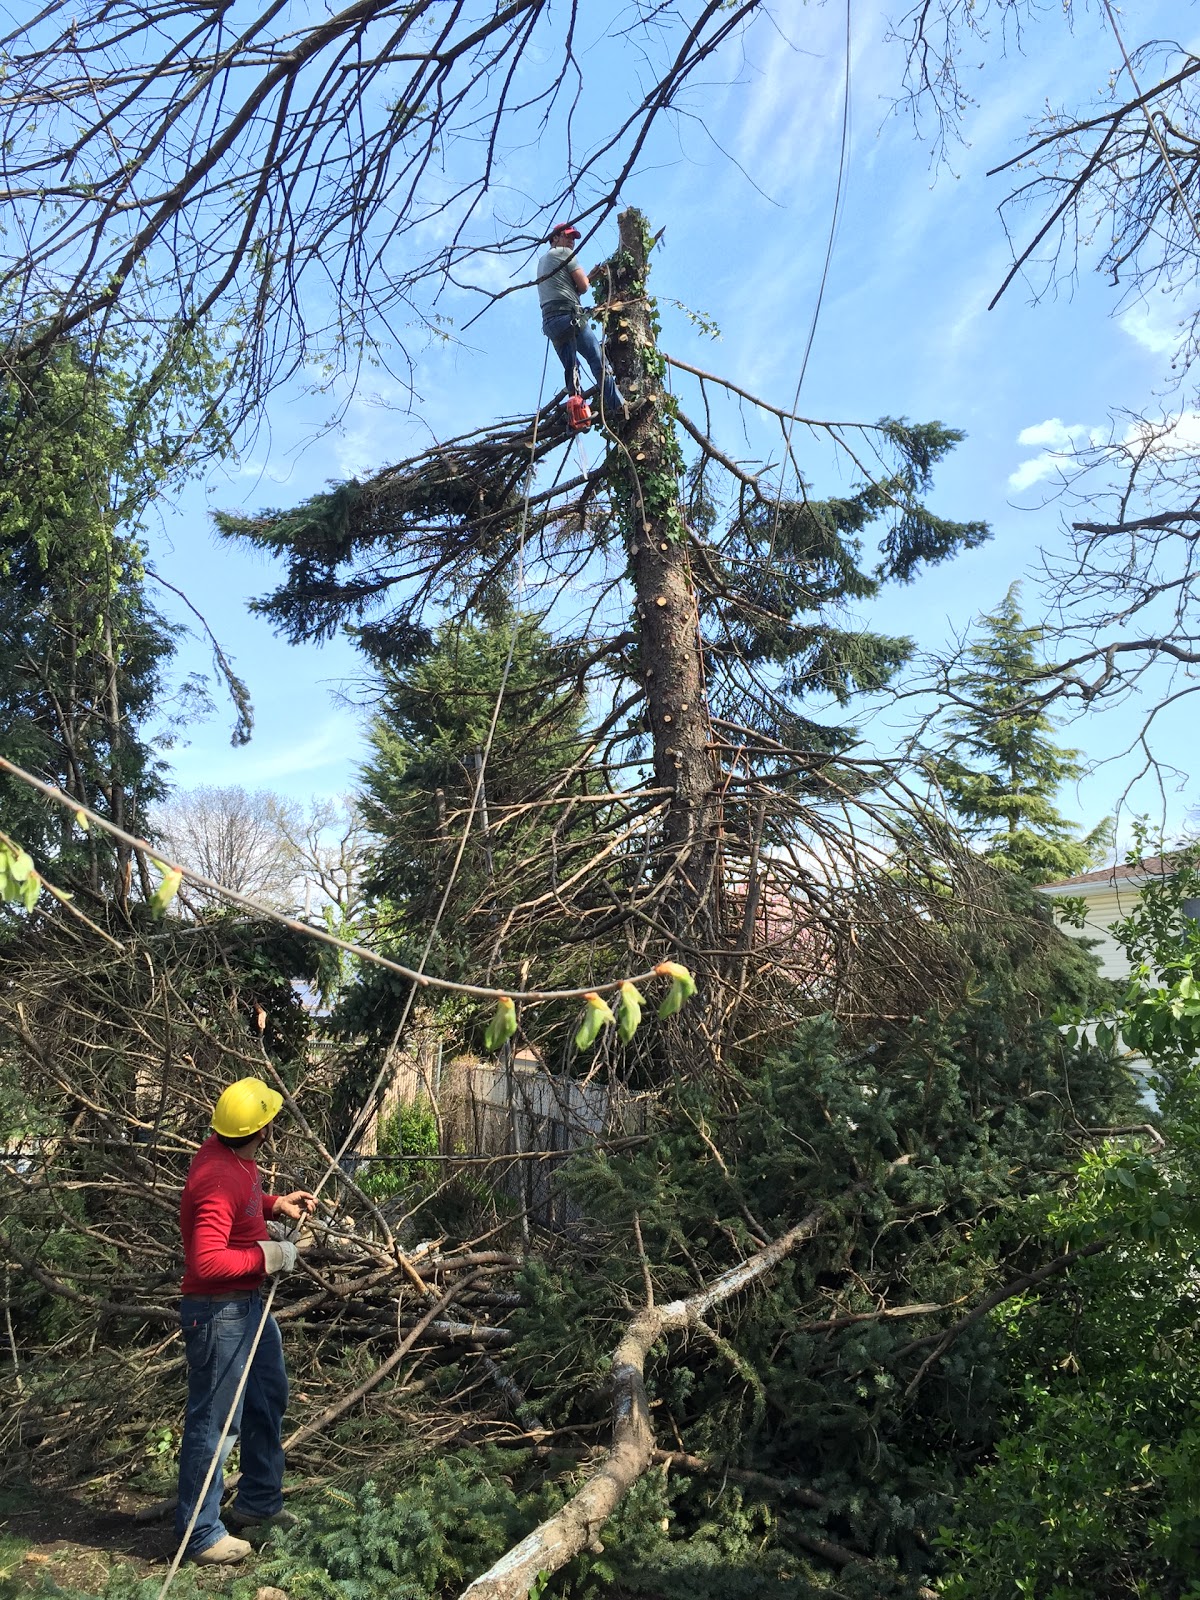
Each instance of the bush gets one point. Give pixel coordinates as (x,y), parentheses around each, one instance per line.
(410,1131)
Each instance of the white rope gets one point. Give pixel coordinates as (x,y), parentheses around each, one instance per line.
(363,1115)
(335,1160)
(216,1459)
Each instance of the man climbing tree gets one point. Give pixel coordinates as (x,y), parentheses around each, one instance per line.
(561,281)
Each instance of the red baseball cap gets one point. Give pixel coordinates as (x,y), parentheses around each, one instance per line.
(567,228)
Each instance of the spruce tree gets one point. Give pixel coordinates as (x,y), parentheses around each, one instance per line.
(1000,770)
(429,736)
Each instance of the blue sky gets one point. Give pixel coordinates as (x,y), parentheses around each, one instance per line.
(743,182)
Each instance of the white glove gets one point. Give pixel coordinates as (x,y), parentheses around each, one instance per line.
(278,1254)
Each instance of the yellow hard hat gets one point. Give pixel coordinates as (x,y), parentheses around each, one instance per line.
(244,1108)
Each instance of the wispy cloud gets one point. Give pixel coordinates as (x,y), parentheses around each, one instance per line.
(251,467)
(492,272)
(321,754)
(794,110)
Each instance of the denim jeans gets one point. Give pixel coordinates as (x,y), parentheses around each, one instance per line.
(217,1337)
(572,339)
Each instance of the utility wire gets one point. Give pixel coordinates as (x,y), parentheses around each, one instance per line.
(834,221)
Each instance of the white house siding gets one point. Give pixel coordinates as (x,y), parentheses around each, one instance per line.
(1108,902)
(1103,910)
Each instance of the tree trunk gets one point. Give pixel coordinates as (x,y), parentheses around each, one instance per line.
(645,478)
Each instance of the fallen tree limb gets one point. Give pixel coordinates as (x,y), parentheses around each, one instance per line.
(514,1396)
(107,1308)
(780,1488)
(482,1333)
(340,1407)
(784,1487)
(163,1508)
(554,1542)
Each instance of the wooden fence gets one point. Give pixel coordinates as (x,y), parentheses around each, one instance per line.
(513,1110)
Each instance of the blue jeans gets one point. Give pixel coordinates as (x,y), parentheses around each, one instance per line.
(217,1337)
(572,339)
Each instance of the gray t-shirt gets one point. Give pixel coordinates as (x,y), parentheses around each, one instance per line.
(556,292)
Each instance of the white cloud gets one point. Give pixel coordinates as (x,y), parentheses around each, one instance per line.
(1053,433)
(1059,442)
(1172,436)
(1033,471)
(1155,324)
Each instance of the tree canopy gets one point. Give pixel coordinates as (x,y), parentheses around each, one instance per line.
(277,175)
(696,791)
(82,647)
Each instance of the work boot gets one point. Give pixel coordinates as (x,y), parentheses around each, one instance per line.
(247,1519)
(224,1552)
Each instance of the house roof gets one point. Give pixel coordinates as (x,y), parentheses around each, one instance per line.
(1118,876)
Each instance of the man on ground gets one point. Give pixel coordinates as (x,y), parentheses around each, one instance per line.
(227,1254)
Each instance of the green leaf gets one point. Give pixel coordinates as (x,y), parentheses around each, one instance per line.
(683,987)
(503,1024)
(20,865)
(168,888)
(18,880)
(629,1012)
(599,1015)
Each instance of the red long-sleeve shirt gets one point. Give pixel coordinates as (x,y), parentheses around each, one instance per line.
(221,1216)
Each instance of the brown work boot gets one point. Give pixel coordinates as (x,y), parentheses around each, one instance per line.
(224,1552)
(247,1519)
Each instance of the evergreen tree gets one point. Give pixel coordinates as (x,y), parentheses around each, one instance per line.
(1001,771)
(82,647)
(714,640)
(1092,1488)
(429,738)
